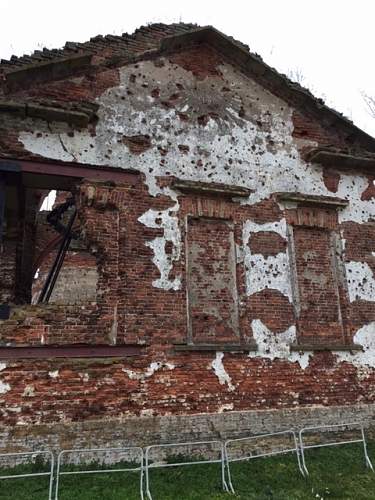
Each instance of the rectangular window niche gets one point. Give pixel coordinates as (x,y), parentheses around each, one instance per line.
(211,282)
(318,307)
(320,297)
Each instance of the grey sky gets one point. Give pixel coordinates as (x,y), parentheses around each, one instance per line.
(330,41)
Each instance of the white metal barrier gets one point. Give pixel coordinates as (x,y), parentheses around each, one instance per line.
(225,451)
(157,465)
(232,442)
(33,454)
(347,426)
(135,452)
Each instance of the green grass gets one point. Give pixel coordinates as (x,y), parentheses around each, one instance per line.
(335,473)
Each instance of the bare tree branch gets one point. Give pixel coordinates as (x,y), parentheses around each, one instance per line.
(369,100)
(296,75)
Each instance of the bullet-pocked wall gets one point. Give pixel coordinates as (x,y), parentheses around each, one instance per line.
(243,272)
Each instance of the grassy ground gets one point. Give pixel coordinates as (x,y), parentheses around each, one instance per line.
(335,473)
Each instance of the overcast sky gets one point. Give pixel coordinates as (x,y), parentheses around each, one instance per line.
(331,42)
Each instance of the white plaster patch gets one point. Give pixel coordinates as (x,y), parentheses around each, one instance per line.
(365,337)
(13,409)
(2,366)
(84,376)
(4,387)
(225,407)
(361,281)
(218,367)
(343,241)
(147,412)
(154,367)
(351,188)
(54,374)
(264,158)
(167,220)
(107,380)
(277,346)
(29,391)
(266,272)
(254,162)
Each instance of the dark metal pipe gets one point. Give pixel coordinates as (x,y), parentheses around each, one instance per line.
(56,267)
(2,205)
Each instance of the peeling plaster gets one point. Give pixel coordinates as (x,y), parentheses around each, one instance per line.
(266,272)
(29,391)
(84,376)
(4,387)
(147,412)
(154,367)
(54,374)
(262,156)
(167,220)
(365,337)
(361,281)
(218,367)
(225,407)
(257,144)
(2,366)
(114,327)
(277,345)
(351,188)
(253,148)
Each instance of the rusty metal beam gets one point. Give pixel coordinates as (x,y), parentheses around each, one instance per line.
(72,170)
(70,351)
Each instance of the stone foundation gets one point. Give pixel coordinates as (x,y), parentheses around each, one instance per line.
(180,428)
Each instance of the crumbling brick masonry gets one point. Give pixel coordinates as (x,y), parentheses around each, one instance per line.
(222,267)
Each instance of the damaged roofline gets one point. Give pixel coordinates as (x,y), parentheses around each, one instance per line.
(44,71)
(237,53)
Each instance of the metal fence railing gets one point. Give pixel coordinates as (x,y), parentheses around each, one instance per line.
(344,427)
(223,453)
(236,450)
(48,455)
(187,445)
(132,453)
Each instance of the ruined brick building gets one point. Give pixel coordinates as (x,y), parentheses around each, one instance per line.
(221,272)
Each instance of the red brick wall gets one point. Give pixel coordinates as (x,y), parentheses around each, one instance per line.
(129,309)
(8,271)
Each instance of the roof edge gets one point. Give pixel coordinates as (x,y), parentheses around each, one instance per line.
(251,64)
